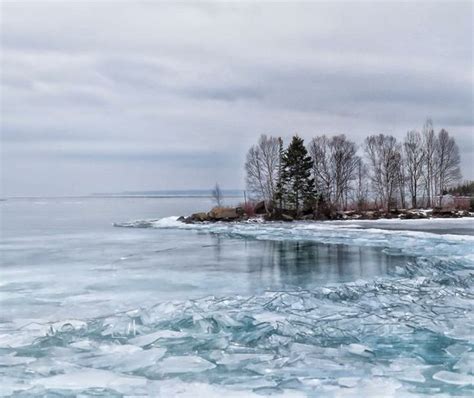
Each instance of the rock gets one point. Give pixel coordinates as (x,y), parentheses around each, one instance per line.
(223,214)
(286,217)
(260,207)
(444,213)
(411,215)
(308,217)
(199,217)
(272,217)
(350,213)
(181,218)
(339,215)
(369,214)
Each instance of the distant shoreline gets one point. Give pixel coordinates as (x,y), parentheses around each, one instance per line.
(118,196)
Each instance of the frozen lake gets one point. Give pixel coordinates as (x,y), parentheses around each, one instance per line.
(160,308)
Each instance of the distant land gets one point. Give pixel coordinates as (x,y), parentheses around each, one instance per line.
(177,193)
(198,193)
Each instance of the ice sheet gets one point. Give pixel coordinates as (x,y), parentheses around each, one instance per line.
(408,333)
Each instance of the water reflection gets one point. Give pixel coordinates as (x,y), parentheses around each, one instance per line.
(123,269)
(276,264)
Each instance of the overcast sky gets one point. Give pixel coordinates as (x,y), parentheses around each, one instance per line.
(112,96)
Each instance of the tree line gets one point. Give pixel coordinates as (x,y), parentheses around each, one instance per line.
(465,188)
(335,172)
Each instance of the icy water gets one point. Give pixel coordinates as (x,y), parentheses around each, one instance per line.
(153,307)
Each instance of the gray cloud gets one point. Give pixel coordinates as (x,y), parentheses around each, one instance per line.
(144,95)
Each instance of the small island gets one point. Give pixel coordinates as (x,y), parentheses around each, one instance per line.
(333,178)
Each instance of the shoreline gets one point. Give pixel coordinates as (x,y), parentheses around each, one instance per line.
(227,214)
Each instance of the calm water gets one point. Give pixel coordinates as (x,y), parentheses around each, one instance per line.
(160,308)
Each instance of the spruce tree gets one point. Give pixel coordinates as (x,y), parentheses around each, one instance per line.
(279,187)
(297,185)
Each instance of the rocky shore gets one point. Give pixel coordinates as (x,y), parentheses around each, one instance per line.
(267,213)
(217,214)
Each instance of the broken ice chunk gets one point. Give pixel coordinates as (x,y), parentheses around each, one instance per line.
(361,350)
(12,385)
(83,344)
(454,378)
(124,358)
(68,325)
(348,382)
(414,376)
(21,338)
(184,364)
(226,321)
(461,332)
(408,369)
(92,378)
(148,339)
(118,349)
(140,359)
(12,360)
(237,358)
(269,317)
(466,363)
(455,350)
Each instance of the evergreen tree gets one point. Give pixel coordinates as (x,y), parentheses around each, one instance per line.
(279,187)
(297,186)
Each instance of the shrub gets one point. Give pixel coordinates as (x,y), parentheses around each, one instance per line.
(249,208)
(462,203)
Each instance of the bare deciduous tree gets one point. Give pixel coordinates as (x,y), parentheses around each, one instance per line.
(217,195)
(414,159)
(447,162)
(344,164)
(429,152)
(320,153)
(361,189)
(262,166)
(334,166)
(383,153)
(254,173)
(401,179)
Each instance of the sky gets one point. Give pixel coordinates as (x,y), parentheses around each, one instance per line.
(110,96)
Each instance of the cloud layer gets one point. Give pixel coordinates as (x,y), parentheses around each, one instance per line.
(113,96)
